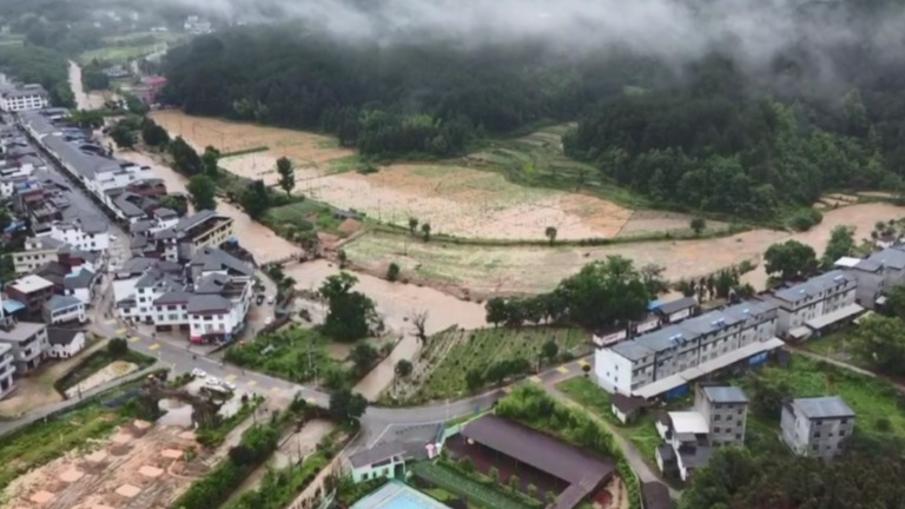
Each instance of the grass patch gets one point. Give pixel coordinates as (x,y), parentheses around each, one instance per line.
(453,353)
(294,354)
(481,494)
(41,443)
(300,216)
(97,361)
(537,160)
(641,433)
(212,436)
(873,400)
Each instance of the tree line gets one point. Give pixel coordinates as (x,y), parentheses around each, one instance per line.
(427,97)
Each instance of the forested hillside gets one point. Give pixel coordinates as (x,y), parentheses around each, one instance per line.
(425,96)
(722,130)
(719,144)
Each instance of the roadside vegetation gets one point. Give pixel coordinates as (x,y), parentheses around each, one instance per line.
(641,432)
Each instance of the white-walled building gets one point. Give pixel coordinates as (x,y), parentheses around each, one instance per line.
(7,370)
(209,297)
(815,304)
(28,342)
(817,427)
(64,309)
(875,274)
(667,359)
(39,251)
(64,342)
(23,98)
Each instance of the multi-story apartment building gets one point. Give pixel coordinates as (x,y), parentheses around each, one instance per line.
(192,234)
(39,251)
(27,341)
(876,274)
(23,98)
(64,309)
(667,359)
(7,369)
(718,419)
(725,409)
(209,296)
(817,427)
(816,303)
(32,291)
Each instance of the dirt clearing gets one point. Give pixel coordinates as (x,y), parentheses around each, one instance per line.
(489,270)
(130,470)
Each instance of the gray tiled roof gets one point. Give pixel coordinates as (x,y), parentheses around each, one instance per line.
(677,305)
(823,407)
(62,302)
(813,286)
(61,335)
(203,303)
(81,280)
(724,394)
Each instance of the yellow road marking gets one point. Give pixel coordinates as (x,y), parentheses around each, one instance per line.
(110,322)
(562,369)
(121,331)
(583,364)
(311,401)
(230,378)
(536,379)
(274,390)
(153,347)
(252,383)
(134,339)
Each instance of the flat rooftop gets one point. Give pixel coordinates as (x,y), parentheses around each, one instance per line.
(396,495)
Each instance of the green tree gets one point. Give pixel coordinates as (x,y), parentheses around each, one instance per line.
(841,243)
(895,301)
(393,271)
(117,347)
(698,224)
(185,159)
(346,405)
(550,350)
(349,313)
(413,225)
(202,191)
(153,135)
(363,356)
(176,202)
(550,233)
(474,379)
(122,135)
(255,199)
(403,368)
(209,162)
(790,260)
(426,231)
(497,311)
(880,342)
(287,174)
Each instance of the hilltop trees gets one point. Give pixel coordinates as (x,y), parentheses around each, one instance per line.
(153,135)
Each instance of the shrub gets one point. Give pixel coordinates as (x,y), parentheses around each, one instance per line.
(805,218)
(117,347)
(393,272)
